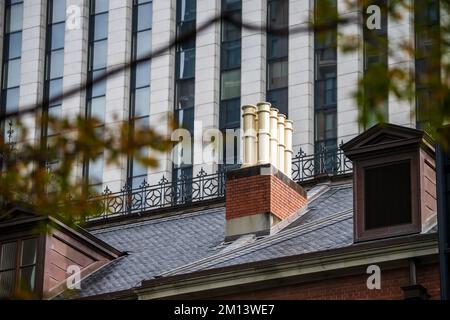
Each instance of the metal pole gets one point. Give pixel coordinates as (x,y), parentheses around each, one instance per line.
(442,173)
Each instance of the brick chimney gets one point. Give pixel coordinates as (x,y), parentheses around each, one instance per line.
(261,193)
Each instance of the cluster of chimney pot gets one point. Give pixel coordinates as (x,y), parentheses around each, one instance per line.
(267,137)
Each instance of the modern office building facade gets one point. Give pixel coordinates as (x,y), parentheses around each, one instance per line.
(52,46)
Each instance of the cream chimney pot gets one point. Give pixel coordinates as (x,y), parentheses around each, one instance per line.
(281,145)
(264,132)
(249,115)
(274,137)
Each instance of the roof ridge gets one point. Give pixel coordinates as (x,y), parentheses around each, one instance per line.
(279,237)
(155,221)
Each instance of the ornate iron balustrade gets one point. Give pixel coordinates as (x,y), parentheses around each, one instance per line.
(162,195)
(325,162)
(205,186)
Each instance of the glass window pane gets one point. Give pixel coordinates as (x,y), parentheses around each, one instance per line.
(231,31)
(326,125)
(186,28)
(100,26)
(186,10)
(100,6)
(58,11)
(14,43)
(55,90)
(185,94)
(98,88)
(142,102)
(54,112)
(186,64)
(98,108)
(57,64)
(138,180)
(231,84)
(231,5)
(278,74)
(279,99)
(143,43)
(27,279)
(8,256)
(144,17)
(278,13)
(231,54)
(185,119)
(138,169)
(96,170)
(142,123)
(278,46)
(14,18)
(7,280)
(58,31)
(99,55)
(12,73)
(12,99)
(29,250)
(143,74)
(230,114)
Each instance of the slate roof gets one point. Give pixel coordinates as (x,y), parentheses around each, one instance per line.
(194,241)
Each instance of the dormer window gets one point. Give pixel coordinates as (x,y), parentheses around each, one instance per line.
(387,193)
(18,261)
(394,182)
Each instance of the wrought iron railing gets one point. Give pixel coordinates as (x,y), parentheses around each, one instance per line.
(325,162)
(186,190)
(164,194)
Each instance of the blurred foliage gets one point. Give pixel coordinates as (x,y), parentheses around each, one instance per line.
(428,88)
(45,177)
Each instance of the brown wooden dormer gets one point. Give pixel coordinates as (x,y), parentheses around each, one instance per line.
(394,182)
(36,251)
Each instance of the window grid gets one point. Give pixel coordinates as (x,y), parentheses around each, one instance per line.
(278,55)
(96,95)
(54,69)
(12,55)
(185,80)
(230,79)
(140,83)
(376,52)
(18,262)
(325,88)
(427,37)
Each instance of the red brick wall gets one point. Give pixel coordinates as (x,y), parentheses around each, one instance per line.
(261,194)
(351,287)
(284,200)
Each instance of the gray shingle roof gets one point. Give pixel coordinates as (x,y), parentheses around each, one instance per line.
(194,241)
(153,247)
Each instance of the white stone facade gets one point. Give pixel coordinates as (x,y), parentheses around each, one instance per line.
(207,75)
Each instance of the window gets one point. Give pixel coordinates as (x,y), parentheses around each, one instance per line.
(394,181)
(230,79)
(325,97)
(231,84)
(11,66)
(278,75)
(376,55)
(140,84)
(427,59)
(277,55)
(96,95)
(18,261)
(185,78)
(186,10)
(387,195)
